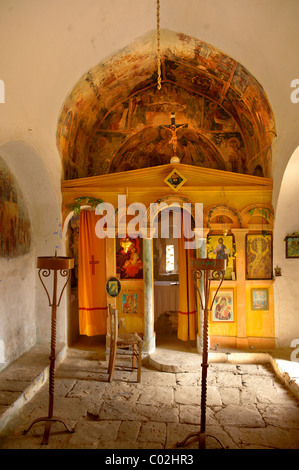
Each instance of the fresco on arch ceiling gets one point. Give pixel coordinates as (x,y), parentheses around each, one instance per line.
(223,117)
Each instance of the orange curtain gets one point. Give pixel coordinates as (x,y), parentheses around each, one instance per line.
(186,314)
(92,278)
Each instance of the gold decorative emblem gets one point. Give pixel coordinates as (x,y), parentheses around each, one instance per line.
(175,180)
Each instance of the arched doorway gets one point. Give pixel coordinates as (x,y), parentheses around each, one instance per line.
(168,254)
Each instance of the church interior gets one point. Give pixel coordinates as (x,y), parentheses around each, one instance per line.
(186,109)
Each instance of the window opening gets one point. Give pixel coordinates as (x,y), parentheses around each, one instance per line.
(169,258)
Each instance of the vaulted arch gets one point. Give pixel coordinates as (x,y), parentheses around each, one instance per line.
(115,118)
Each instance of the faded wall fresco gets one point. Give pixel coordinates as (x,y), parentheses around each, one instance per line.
(116,119)
(15,236)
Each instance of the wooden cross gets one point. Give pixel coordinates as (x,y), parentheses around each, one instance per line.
(93,262)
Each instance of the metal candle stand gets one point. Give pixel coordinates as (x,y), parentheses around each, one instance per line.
(46,264)
(208,270)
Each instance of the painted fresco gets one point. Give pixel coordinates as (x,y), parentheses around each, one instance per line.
(15,237)
(115,119)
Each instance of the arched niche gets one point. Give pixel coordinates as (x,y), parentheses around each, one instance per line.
(174,201)
(221,217)
(258,216)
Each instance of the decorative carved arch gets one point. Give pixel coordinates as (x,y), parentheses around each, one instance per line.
(258,214)
(222,215)
(169,200)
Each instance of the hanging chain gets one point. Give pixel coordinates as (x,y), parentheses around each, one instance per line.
(158,45)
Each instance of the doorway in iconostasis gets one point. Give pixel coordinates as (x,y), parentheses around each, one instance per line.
(172,286)
(75,338)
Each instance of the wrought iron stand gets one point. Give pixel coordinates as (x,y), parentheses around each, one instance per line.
(208,270)
(46,264)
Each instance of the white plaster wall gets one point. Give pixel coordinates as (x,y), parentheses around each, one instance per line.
(286,286)
(17,312)
(24,311)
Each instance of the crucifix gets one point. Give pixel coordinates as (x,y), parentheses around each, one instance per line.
(207,270)
(93,262)
(173,128)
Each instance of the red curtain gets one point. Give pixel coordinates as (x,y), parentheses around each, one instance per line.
(91,277)
(187,312)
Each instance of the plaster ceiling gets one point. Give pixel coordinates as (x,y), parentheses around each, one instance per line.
(116,119)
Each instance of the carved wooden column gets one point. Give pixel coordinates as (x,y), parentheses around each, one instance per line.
(240,239)
(201,252)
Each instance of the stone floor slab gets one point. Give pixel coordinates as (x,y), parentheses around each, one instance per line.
(247,406)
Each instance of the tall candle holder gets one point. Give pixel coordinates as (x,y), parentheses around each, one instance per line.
(207,270)
(46,264)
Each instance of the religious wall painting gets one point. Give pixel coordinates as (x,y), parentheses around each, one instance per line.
(250,135)
(232,148)
(234,105)
(143,149)
(155,146)
(117,119)
(208,90)
(241,79)
(259,262)
(207,86)
(223,305)
(131,301)
(292,246)
(152,106)
(223,247)
(205,56)
(211,151)
(262,111)
(214,61)
(15,231)
(190,77)
(101,151)
(113,287)
(129,258)
(216,119)
(259,299)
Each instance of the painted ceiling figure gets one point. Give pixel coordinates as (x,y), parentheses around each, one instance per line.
(174,139)
(237,157)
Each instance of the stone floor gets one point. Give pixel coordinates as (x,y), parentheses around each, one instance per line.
(249,403)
